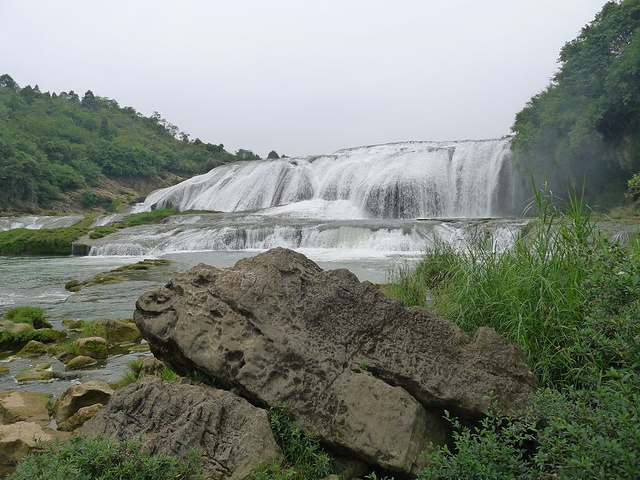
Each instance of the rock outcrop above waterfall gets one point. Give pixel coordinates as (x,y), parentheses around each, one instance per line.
(232,435)
(361,371)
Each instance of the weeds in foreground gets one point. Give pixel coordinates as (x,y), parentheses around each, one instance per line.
(82,458)
(571,299)
(537,293)
(304,458)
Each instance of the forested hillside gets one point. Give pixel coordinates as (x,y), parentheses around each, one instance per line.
(586,125)
(65,152)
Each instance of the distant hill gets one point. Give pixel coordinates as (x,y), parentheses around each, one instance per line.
(66,153)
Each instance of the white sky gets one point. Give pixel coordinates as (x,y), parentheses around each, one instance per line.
(298,76)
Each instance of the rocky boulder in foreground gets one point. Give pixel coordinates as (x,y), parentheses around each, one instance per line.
(361,371)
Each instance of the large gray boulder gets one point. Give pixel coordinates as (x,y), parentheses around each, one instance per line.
(360,370)
(233,436)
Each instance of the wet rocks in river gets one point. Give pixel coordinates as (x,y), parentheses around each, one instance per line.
(80,362)
(41,372)
(94,347)
(361,371)
(33,349)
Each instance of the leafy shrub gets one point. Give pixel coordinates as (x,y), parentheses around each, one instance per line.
(576,433)
(34,316)
(304,458)
(82,458)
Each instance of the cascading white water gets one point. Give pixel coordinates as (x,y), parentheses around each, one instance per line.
(399,180)
(33,222)
(369,237)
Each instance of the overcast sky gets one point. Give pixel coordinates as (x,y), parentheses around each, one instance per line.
(301,77)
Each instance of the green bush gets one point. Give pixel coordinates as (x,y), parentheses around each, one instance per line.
(34,316)
(304,458)
(82,458)
(575,433)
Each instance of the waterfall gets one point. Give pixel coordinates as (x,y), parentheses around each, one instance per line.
(400,180)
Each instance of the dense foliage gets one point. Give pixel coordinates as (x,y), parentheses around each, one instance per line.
(570,298)
(52,144)
(586,124)
(101,458)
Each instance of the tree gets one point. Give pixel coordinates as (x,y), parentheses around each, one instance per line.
(273,154)
(243,154)
(586,123)
(89,100)
(7,81)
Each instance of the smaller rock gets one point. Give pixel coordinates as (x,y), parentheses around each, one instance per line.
(94,347)
(143,347)
(151,367)
(40,373)
(4,369)
(118,330)
(80,417)
(80,362)
(78,396)
(72,324)
(20,405)
(14,328)
(21,438)
(33,349)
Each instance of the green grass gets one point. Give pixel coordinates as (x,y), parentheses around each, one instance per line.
(100,232)
(145,218)
(34,316)
(537,293)
(44,335)
(81,458)
(46,241)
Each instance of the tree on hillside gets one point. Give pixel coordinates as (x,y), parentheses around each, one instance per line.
(7,81)
(273,155)
(586,123)
(243,154)
(89,100)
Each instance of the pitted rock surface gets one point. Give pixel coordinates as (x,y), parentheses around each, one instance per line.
(232,436)
(360,370)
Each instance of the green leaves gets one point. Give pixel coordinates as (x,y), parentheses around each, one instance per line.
(585,123)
